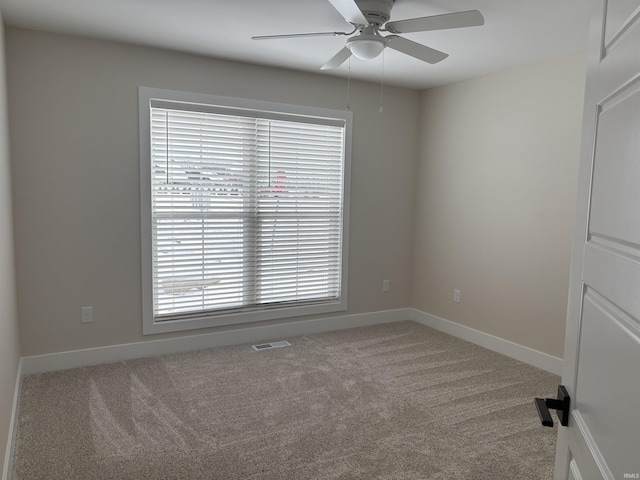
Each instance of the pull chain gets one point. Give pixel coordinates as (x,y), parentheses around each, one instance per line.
(382,83)
(348,107)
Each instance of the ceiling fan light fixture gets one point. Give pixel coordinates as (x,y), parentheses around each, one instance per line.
(366,47)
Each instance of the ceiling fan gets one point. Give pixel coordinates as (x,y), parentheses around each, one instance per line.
(370,17)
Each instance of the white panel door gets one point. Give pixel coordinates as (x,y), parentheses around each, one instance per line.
(602,349)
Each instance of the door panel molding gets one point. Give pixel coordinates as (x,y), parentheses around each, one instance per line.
(615,246)
(603,269)
(586,453)
(602,346)
(574,471)
(622,28)
(606,391)
(620,60)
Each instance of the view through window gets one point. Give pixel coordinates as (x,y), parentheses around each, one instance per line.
(246,210)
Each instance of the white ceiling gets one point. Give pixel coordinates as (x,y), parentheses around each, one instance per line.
(515,32)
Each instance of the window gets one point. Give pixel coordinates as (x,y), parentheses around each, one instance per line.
(244,210)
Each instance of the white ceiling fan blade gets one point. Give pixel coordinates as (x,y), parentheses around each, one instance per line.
(350,11)
(296,35)
(337,60)
(470,18)
(416,50)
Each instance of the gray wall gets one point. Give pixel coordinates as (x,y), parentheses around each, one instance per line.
(468,186)
(495,200)
(73,109)
(9,340)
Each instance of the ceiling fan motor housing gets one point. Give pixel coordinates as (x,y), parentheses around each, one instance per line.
(377,12)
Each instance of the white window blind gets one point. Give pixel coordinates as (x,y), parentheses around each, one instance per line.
(246,212)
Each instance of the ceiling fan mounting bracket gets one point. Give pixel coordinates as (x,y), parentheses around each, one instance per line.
(377,12)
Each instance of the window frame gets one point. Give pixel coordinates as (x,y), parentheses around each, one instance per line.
(159,97)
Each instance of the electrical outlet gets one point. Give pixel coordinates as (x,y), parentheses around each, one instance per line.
(456,296)
(87,314)
(385,286)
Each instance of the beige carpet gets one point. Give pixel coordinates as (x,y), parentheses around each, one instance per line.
(396,402)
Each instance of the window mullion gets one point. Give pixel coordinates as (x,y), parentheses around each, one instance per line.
(250,222)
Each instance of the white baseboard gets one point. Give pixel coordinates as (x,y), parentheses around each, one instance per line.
(116,353)
(524,354)
(13,426)
(128,351)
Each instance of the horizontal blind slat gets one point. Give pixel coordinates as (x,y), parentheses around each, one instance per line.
(246,211)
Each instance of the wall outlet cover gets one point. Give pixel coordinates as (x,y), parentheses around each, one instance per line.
(87,314)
